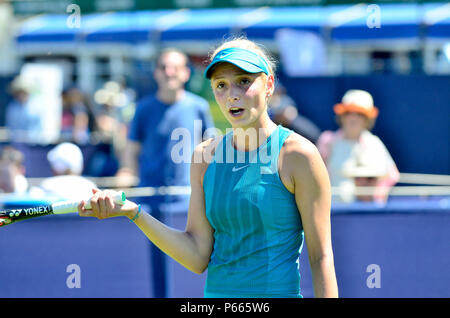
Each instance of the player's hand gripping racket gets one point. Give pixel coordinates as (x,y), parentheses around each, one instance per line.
(10,216)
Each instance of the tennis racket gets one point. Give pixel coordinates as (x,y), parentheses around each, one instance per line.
(10,216)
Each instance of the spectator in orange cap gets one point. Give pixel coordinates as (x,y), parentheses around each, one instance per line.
(353,155)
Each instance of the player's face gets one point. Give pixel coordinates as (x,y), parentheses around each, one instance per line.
(171,71)
(242,96)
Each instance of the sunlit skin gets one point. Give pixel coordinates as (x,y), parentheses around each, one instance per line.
(234,89)
(243,98)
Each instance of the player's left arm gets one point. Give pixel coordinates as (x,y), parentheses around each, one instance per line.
(311,187)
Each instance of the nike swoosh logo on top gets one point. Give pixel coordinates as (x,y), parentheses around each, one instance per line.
(224,55)
(239,168)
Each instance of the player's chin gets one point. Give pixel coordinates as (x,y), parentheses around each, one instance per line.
(241,117)
(243,122)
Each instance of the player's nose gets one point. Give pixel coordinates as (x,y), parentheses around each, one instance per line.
(233,95)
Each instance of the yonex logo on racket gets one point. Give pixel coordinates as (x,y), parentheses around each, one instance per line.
(14,213)
(30,211)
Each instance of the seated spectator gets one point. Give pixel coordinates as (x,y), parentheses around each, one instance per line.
(75,117)
(12,171)
(112,104)
(23,117)
(66,161)
(283,110)
(367,174)
(353,155)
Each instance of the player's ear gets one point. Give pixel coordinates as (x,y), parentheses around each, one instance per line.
(270,85)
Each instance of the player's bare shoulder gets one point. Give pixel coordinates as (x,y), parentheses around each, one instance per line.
(297,149)
(297,156)
(203,155)
(204,151)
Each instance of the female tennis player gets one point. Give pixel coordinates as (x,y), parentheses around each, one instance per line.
(247,218)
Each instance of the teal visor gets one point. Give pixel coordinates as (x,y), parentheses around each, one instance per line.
(242,58)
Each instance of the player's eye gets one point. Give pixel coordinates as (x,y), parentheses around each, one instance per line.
(220,85)
(245,81)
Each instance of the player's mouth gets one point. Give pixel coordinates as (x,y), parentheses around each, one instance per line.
(236,111)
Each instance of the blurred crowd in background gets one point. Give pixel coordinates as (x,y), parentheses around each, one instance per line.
(53,96)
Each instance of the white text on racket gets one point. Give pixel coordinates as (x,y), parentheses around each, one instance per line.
(30,211)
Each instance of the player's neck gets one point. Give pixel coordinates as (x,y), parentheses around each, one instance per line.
(252,137)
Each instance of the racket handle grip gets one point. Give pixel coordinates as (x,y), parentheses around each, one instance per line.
(72,206)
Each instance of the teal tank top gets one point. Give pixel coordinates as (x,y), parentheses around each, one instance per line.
(258,234)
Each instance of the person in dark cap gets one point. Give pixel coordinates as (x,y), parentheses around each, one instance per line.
(283,110)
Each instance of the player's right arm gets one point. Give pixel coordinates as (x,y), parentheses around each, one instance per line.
(193,246)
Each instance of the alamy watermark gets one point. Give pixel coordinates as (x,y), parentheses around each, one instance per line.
(74,279)
(374,279)
(74,19)
(256,139)
(373,13)
(373,16)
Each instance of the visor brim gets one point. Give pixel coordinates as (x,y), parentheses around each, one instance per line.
(243,65)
